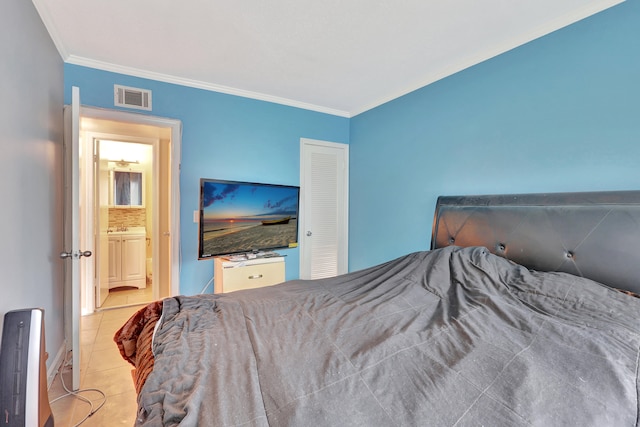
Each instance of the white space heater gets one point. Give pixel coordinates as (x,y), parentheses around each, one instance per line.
(24,399)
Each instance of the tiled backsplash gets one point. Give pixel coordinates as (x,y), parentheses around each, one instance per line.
(127,217)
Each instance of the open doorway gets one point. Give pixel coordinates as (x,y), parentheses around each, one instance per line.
(79,215)
(124,201)
(129,198)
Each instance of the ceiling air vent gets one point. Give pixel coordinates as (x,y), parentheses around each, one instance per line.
(131,97)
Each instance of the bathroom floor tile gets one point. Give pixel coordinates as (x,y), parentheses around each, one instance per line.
(127,296)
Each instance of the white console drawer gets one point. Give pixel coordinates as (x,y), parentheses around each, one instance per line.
(234,276)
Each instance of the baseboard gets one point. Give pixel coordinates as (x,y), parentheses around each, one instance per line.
(55,363)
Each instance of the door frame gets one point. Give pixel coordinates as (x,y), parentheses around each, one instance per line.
(73,113)
(91,139)
(174,161)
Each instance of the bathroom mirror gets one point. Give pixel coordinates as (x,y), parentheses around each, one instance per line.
(126,188)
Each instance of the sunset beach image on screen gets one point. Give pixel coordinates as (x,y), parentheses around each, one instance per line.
(238,217)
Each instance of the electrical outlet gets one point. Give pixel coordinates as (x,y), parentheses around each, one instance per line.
(196,216)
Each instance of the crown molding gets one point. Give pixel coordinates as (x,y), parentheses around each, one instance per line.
(538,32)
(426,80)
(43,11)
(106,66)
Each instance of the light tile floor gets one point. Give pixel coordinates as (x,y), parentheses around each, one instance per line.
(102,368)
(128,295)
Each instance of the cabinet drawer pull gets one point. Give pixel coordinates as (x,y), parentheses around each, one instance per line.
(255,276)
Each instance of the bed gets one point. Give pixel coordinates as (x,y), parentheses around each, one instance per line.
(522,312)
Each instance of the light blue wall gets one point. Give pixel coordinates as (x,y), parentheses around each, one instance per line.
(224,137)
(561,113)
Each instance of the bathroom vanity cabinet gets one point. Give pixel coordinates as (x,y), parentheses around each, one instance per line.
(127,255)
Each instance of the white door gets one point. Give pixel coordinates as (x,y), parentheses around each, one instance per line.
(72,252)
(324,206)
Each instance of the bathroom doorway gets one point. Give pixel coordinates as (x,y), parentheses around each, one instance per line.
(135,238)
(126,185)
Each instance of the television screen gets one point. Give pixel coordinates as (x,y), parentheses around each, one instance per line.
(238,217)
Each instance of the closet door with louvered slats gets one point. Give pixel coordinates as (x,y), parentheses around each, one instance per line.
(324,208)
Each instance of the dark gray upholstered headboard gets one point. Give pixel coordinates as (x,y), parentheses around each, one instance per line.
(594,235)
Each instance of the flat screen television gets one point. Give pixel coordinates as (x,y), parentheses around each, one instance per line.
(246,217)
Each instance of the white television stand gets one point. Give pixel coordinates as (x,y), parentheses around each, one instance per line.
(230,276)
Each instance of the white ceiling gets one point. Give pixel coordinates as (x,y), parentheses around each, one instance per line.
(341,57)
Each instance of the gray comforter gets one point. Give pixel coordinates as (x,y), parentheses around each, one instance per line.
(452,337)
